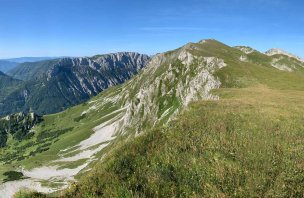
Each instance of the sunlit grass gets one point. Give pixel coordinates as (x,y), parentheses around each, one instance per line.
(250,143)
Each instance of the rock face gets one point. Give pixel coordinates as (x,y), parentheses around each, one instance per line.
(281,66)
(169,82)
(187,78)
(54,85)
(18,125)
(92,75)
(179,78)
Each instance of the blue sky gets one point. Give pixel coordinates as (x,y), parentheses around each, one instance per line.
(88,27)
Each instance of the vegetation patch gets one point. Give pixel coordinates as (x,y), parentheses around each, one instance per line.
(12,176)
(50,134)
(77,119)
(18,125)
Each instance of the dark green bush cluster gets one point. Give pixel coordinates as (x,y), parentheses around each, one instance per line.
(77,119)
(12,176)
(50,134)
(19,125)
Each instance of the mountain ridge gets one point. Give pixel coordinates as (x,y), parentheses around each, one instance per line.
(277,51)
(29,59)
(68,81)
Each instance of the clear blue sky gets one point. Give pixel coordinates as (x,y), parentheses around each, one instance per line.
(88,27)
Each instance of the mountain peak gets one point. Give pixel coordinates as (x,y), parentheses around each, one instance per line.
(277,51)
(206,40)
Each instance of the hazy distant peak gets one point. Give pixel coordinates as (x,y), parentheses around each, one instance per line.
(276,51)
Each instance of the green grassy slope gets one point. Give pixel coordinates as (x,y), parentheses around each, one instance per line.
(7,85)
(56,132)
(248,144)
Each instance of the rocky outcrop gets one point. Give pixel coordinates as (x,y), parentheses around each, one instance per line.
(243,58)
(281,66)
(245,49)
(168,83)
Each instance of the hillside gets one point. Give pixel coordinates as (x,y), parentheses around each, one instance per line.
(241,137)
(17,126)
(247,144)
(32,70)
(54,85)
(238,146)
(7,85)
(7,65)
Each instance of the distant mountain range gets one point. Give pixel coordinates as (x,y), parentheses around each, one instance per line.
(32,70)
(50,86)
(11,63)
(7,65)
(29,59)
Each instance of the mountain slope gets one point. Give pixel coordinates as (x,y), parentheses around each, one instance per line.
(276,58)
(220,140)
(18,126)
(7,65)
(215,147)
(239,146)
(170,81)
(285,61)
(69,81)
(32,70)
(276,51)
(7,85)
